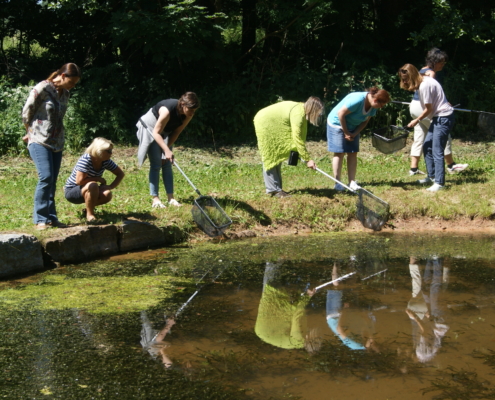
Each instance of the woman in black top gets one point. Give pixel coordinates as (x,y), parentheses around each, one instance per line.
(158,130)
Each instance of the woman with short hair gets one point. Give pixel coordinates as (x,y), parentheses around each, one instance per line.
(345,123)
(157,131)
(43,116)
(280,129)
(435,61)
(86,183)
(436,108)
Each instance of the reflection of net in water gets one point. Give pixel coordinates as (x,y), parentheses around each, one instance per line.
(209,216)
(389,139)
(371,211)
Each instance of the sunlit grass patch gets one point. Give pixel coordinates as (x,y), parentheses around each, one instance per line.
(97,294)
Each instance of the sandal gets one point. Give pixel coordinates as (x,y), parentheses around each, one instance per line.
(158,204)
(175,203)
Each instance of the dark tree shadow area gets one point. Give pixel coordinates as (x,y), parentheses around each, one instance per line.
(474,175)
(260,216)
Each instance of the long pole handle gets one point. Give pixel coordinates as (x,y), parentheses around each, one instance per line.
(332,178)
(335,280)
(185,176)
(455,109)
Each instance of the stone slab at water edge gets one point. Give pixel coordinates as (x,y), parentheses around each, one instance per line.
(19,253)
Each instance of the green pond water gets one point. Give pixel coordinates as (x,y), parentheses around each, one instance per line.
(368,316)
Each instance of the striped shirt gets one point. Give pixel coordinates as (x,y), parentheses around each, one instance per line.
(85,165)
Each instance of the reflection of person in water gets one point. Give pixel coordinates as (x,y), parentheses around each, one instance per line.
(428,325)
(152,340)
(282,322)
(352,323)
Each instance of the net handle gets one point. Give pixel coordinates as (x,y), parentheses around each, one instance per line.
(331,177)
(455,109)
(185,176)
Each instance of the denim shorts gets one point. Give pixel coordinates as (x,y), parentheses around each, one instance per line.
(337,142)
(74,195)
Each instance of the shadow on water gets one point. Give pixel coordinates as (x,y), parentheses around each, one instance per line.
(320,317)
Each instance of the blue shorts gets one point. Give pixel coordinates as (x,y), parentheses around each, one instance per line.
(74,195)
(337,142)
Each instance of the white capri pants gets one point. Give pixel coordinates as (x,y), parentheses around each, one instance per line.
(421,129)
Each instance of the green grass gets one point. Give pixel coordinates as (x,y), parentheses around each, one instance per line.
(233,175)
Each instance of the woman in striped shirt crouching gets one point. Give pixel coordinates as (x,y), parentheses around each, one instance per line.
(86,184)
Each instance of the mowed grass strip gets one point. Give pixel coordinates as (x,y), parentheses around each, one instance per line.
(233,175)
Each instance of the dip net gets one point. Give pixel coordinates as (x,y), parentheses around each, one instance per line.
(209,216)
(389,139)
(372,211)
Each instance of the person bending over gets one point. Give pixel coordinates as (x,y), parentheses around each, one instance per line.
(344,125)
(280,129)
(158,130)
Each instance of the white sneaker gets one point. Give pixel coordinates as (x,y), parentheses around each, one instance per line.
(417,172)
(425,180)
(435,188)
(354,186)
(175,203)
(457,168)
(338,187)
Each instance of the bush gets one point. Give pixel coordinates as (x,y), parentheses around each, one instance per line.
(12,130)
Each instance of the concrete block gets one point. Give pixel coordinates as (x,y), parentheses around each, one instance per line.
(19,253)
(137,235)
(82,244)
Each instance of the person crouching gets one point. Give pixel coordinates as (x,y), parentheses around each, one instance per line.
(86,183)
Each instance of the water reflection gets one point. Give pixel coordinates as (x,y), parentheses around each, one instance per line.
(382,324)
(424,309)
(153,340)
(350,319)
(282,320)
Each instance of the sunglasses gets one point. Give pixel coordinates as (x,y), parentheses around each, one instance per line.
(109,151)
(404,71)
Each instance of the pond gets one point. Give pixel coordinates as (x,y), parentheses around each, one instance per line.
(371,316)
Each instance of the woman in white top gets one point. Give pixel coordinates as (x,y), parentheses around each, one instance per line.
(435,107)
(435,61)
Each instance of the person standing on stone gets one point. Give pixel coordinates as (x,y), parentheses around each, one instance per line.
(43,115)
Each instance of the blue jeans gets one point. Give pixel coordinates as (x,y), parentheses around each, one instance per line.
(48,166)
(434,147)
(155,156)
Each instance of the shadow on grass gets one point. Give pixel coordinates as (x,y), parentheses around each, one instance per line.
(475,175)
(260,216)
(329,193)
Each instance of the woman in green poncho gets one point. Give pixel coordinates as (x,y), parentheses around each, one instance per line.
(280,129)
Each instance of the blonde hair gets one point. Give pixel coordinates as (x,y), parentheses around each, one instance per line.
(314,110)
(98,146)
(410,78)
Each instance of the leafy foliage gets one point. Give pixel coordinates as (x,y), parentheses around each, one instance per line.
(239,56)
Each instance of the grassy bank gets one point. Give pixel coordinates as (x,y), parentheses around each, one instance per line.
(233,176)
